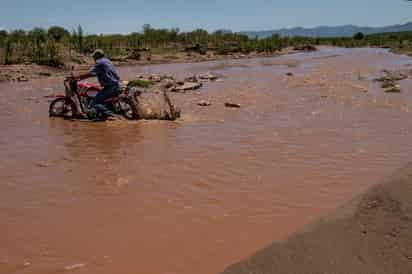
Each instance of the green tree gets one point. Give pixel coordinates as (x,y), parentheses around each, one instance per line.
(80,38)
(52,57)
(77,39)
(359,36)
(38,37)
(3,35)
(57,33)
(7,51)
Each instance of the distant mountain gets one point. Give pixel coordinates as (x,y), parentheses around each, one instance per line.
(325,31)
(225,31)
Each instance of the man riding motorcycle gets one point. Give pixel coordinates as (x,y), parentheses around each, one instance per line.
(108,79)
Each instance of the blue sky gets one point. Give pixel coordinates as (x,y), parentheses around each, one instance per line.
(123,16)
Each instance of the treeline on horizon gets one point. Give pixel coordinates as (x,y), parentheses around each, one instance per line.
(56,45)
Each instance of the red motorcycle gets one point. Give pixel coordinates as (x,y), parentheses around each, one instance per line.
(77,102)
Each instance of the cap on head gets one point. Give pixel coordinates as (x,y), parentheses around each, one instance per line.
(97,54)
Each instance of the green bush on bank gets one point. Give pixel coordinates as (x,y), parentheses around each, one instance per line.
(140,83)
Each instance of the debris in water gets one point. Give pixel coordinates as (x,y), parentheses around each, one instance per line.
(22,78)
(43,164)
(305,48)
(187,86)
(74,267)
(192,79)
(208,77)
(391,76)
(204,103)
(389,81)
(388,84)
(394,89)
(45,74)
(232,105)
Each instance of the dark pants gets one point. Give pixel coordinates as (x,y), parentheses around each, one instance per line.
(99,101)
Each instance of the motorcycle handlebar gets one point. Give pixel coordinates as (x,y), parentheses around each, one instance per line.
(68,78)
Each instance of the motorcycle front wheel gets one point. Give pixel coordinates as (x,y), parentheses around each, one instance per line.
(128,108)
(63,107)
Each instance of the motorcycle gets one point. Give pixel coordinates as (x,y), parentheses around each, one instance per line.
(77,102)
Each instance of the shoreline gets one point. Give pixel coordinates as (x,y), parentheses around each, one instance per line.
(28,72)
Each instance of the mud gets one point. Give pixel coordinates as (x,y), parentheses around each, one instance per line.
(199,194)
(24,73)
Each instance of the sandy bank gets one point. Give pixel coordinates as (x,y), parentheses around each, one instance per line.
(371,234)
(26,72)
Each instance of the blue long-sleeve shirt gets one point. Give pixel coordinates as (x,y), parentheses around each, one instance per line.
(105,72)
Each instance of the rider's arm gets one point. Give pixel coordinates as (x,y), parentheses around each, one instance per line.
(91,73)
(85,76)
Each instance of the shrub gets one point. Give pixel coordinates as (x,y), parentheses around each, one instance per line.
(358,36)
(140,83)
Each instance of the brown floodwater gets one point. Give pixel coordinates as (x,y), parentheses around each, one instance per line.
(196,195)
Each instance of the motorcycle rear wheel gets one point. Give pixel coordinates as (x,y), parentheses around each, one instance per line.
(63,107)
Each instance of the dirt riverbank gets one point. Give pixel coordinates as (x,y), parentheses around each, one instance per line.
(371,234)
(27,72)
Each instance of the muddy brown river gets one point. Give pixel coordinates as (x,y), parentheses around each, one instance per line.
(199,194)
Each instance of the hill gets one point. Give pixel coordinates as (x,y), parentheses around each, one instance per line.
(327,31)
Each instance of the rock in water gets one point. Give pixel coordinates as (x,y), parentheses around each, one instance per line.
(45,74)
(204,103)
(232,105)
(156,104)
(305,48)
(388,84)
(74,267)
(192,79)
(391,76)
(395,89)
(187,86)
(22,78)
(208,77)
